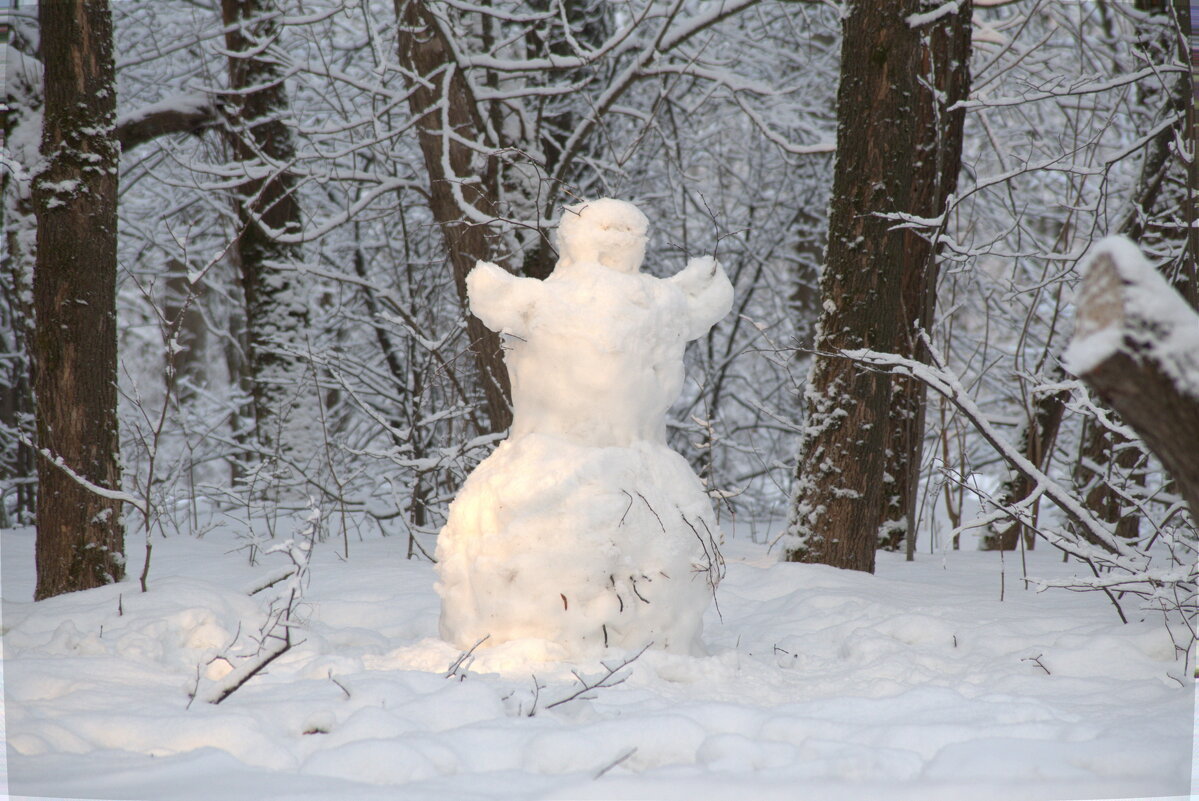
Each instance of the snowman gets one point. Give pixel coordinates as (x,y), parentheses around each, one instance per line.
(583,527)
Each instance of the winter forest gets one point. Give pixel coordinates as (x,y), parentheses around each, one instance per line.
(520,399)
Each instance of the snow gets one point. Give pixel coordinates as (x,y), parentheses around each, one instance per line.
(583,528)
(1126,305)
(922,19)
(180,102)
(917,683)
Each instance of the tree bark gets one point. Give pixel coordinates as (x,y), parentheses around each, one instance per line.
(447,115)
(945,70)
(190,366)
(1036,440)
(276,315)
(80,536)
(839,483)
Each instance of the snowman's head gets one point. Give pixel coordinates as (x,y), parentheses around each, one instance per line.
(605,231)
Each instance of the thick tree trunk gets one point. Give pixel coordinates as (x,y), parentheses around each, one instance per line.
(276,314)
(1190,134)
(839,483)
(945,67)
(80,537)
(446,115)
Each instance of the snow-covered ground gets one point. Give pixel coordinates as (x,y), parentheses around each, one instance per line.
(916,683)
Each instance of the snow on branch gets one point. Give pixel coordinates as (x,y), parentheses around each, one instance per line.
(1062,86)
(274,636)
(104,492)
(182,113)
(926,17)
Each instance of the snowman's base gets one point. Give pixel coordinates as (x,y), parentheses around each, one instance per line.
(583,546)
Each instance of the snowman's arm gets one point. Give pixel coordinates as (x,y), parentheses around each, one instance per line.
(500,299)
(707,291)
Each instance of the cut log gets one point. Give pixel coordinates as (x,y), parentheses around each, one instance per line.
(1136,343)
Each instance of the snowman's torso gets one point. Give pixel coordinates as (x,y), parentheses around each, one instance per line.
(601,360)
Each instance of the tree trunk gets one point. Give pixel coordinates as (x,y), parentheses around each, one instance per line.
(190,367)
(446,114)
(276,314)
(22,123)
(945,67)
(839,483)
(80,536)
(1108,461)
(1036,440)
(589,22)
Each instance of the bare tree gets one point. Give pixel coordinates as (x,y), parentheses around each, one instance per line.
(839,491)
(80,533)
(267,207)
(448,121)
(944,82)
(1107,459)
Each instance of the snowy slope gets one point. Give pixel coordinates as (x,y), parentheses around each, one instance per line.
(820,684)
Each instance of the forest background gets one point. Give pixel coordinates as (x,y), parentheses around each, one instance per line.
(265,212)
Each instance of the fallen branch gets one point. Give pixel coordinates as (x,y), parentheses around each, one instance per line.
(607,680)
(275,634)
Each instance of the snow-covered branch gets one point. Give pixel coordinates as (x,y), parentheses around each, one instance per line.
(182,113)
(1094,531)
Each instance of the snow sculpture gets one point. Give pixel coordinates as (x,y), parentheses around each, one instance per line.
(583,527)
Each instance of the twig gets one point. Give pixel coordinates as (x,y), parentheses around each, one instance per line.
(1036,660)
(250,670)
(603,681)
(655,514)
(462,657)
(339,684)
(626,509)
(633,580)
(271,581)
(536,696)
(715,566)
(272,645)
(625,756)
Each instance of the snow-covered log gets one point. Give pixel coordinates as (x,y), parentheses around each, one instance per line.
(1136,343)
